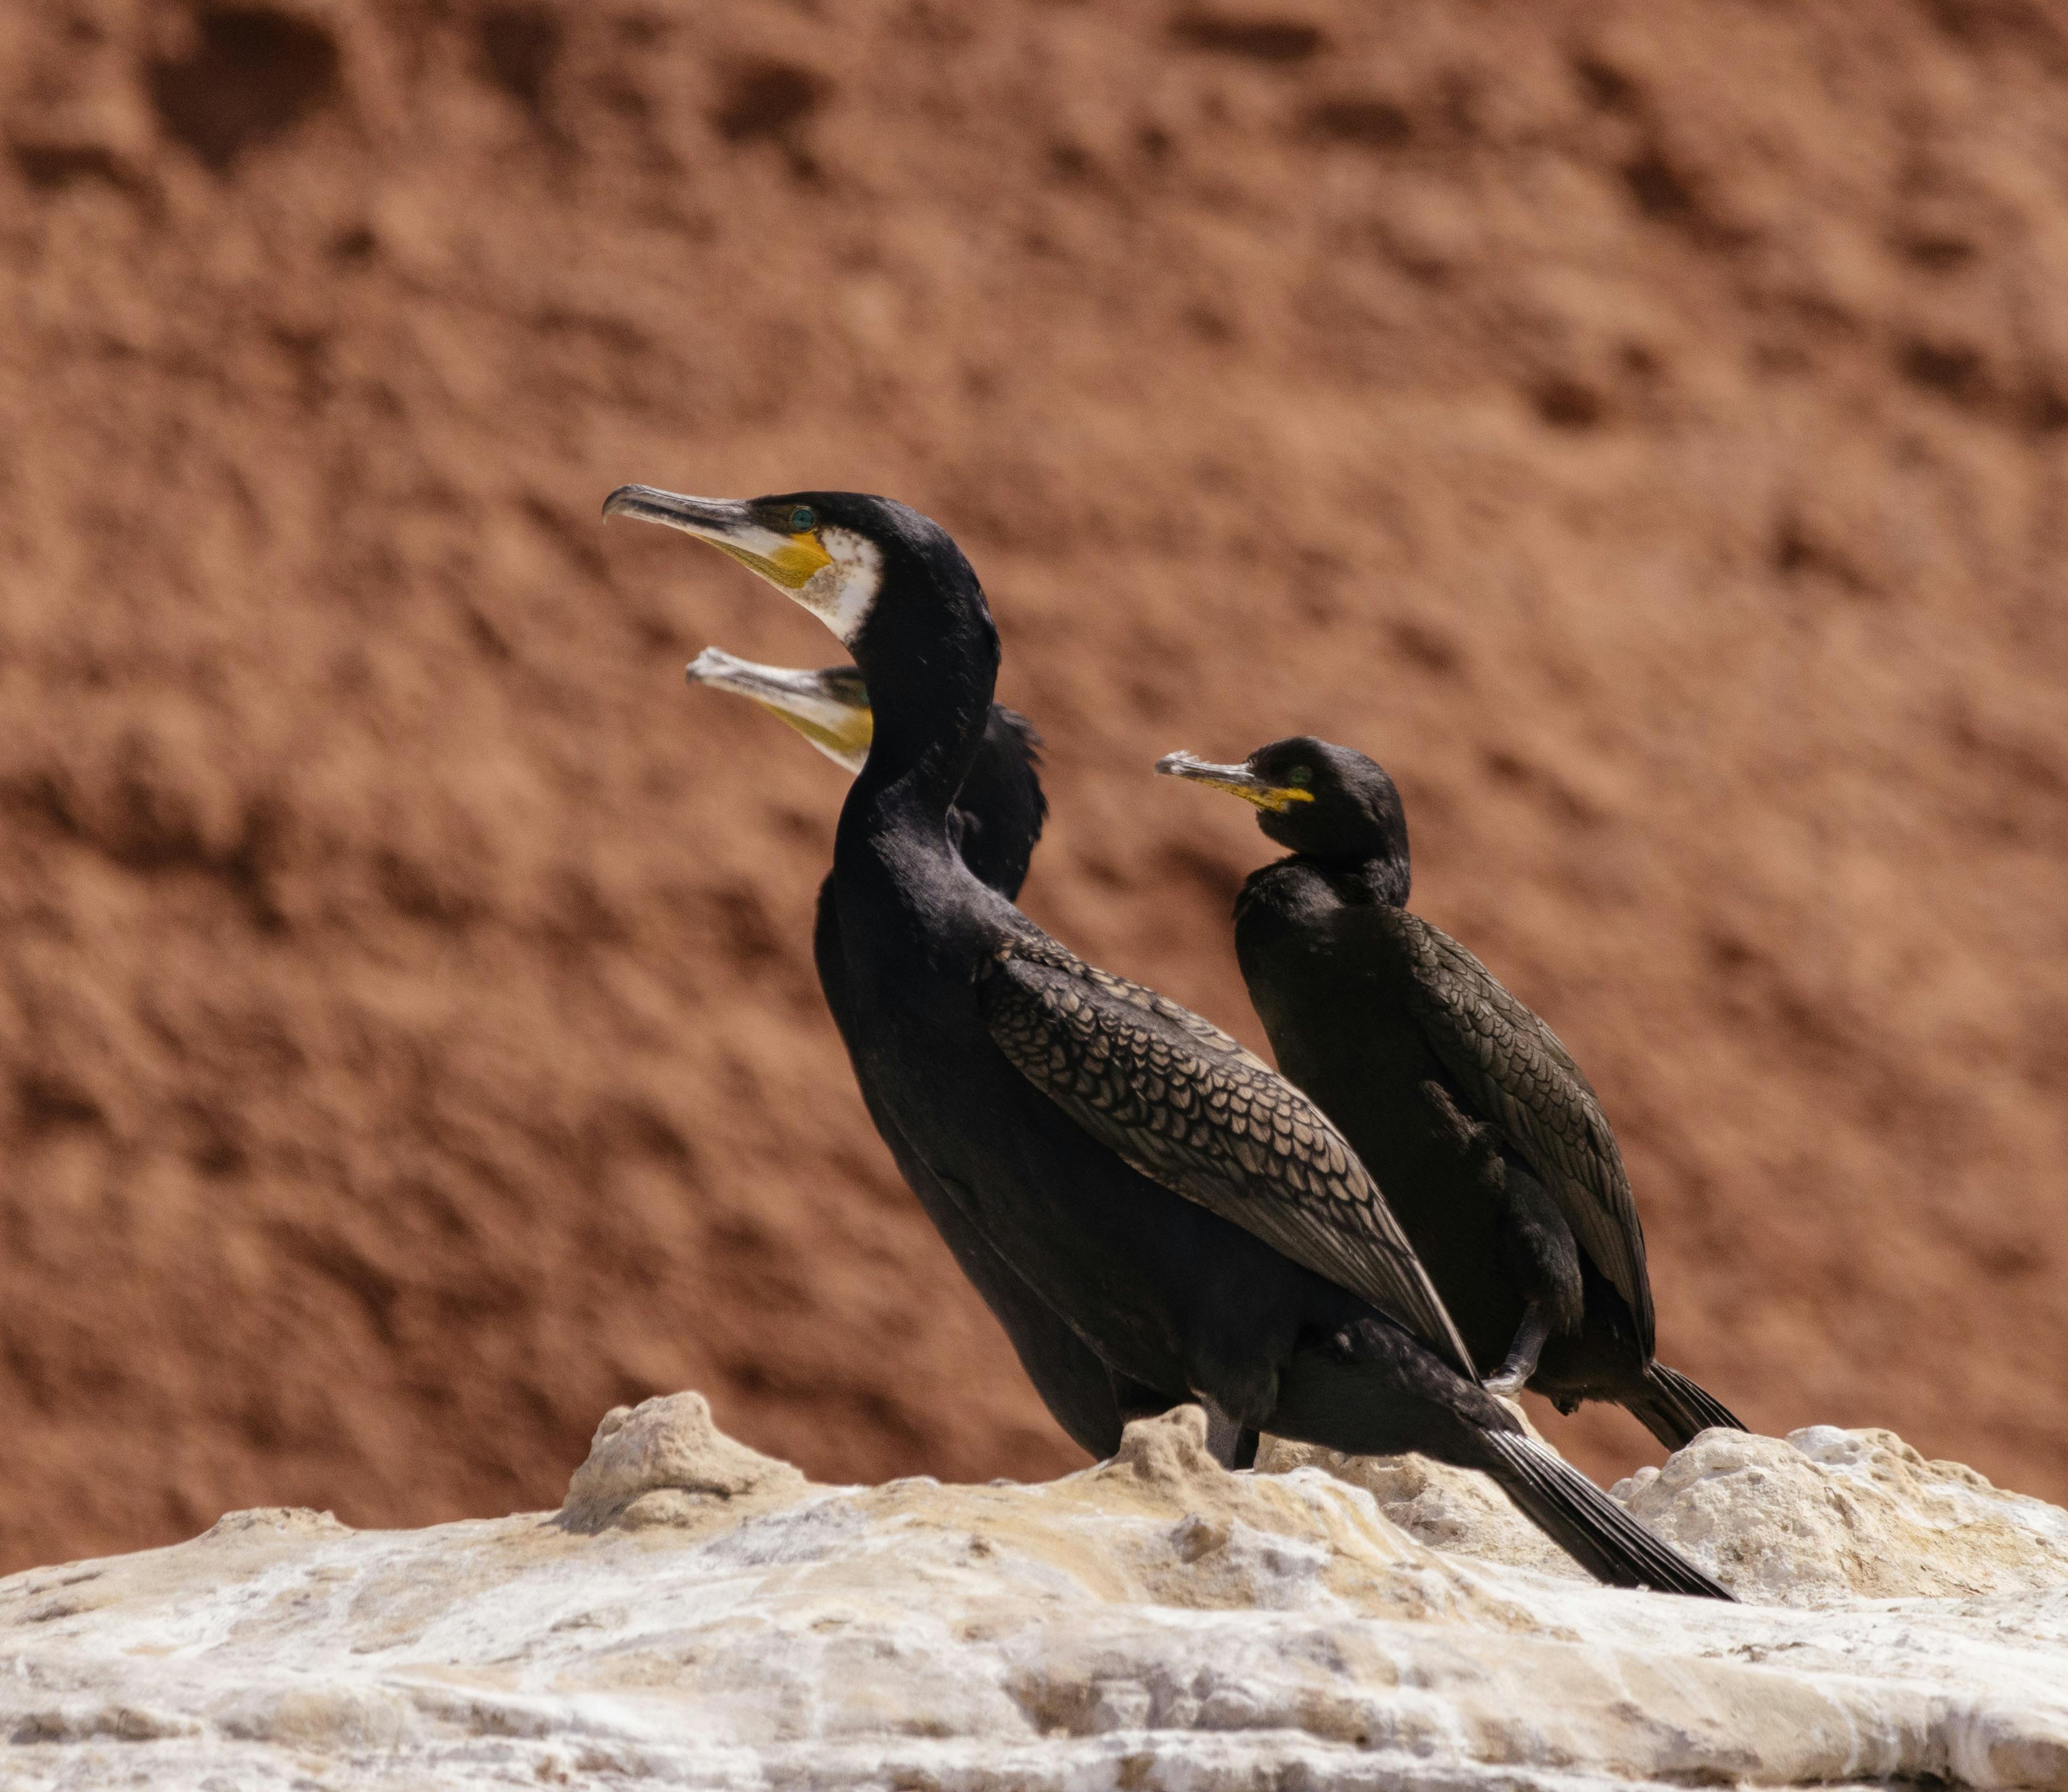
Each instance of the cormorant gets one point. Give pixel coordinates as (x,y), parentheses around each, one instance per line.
(1492,1145)
(997,820)
(998,813)
(1196,1219)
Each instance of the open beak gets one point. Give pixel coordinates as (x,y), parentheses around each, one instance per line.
(1237,781)
(730,525)
(829,708)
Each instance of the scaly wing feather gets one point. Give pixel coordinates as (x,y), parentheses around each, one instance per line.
(1512,1068)
(1185,1105)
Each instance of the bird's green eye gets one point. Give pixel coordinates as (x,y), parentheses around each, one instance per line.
(1300,777)
(801,519)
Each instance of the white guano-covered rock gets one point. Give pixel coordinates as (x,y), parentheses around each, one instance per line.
(700,1615)
(1827,1513)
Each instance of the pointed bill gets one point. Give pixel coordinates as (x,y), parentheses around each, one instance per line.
(789,559)
(833,570)
(829,707)
(1237,781)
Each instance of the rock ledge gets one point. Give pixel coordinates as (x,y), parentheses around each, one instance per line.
(701,1616)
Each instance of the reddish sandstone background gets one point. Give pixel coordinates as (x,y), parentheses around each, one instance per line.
(1644,425)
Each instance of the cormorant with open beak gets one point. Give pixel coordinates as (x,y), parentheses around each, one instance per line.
(998,813)
(1197,1220)
(1490,1142)
(995,824)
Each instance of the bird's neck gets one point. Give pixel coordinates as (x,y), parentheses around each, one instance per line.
(921,753)
(1379,882)
(1298,886)
(999,811)
(929,684)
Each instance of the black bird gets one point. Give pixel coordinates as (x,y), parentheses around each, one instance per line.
(999,812)
(997,820)
(1492,1145)
(1195,1218)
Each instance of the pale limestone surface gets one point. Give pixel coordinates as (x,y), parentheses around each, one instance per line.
(666,1463)
(698,1616)
(1826,1513)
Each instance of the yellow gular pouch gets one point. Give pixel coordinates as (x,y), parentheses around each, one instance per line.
(793,565)
(846,738)
(1278,798)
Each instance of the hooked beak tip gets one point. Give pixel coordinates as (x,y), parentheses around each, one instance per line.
(1191,766)
(713,519)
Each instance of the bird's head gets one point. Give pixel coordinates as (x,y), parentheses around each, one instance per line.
(829,707)
(1323,801)
(999,813)
(890,584)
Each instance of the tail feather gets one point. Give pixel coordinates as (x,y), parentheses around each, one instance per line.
(1675,1409)
(1585,1523)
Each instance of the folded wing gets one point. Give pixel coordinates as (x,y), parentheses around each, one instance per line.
(1184,1104)
(1513,1070)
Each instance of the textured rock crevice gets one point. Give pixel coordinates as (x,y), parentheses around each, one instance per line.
(703,1615)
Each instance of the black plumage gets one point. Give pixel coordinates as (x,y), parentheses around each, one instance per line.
(995,824)
(1181,1101)
(1489,1139)
(957,997)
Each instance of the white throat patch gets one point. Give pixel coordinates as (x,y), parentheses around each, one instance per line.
(841,595)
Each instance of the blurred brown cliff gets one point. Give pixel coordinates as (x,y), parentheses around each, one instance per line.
(1644,426)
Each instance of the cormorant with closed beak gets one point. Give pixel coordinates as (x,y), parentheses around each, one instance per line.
(1197,1220)
(1491,1144)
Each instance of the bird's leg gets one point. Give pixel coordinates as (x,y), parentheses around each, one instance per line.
(1238,1395)
(1541,1254)
(1508,1381)
(1230,1442)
